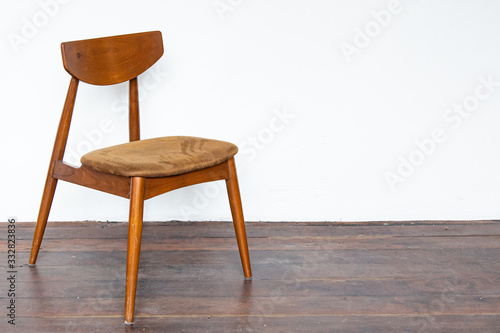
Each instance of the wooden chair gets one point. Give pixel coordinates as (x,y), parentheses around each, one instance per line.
(139,169)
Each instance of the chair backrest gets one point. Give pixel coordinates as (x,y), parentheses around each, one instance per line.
(105,61)
(112,60)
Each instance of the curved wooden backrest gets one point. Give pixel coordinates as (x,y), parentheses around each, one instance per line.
(111,60)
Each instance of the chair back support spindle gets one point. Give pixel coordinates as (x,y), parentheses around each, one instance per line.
(134,124)
(65,122)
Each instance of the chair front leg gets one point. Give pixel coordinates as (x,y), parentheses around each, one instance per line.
(233,191)
(134,244)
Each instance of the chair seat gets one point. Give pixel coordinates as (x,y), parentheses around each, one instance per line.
(160,157)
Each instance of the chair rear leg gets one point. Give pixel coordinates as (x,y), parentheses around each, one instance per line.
(134,245)
(43,215)
(233,191)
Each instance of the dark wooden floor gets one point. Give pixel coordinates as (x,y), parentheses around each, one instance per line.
(308,277)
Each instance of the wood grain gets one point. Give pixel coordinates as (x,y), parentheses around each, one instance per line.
(385,277)
(157,186)
(57,154)
(134,245)
(134,118)
(233,192)
(105,182)
(112,60)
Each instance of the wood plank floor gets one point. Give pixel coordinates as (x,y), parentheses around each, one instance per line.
(307,277)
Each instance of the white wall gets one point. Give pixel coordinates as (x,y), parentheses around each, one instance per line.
(333,103)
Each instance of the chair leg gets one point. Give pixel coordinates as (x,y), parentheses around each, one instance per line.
(134,245)
(43,215)
(238,220)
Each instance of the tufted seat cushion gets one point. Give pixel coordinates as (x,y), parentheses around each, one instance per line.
(160,157)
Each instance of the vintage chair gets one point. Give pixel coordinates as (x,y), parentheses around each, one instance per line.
(139,169)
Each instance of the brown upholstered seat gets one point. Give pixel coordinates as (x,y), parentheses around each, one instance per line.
(160,157)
